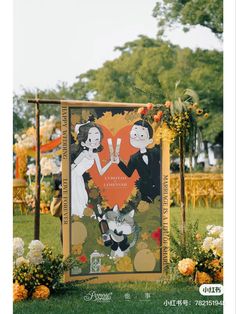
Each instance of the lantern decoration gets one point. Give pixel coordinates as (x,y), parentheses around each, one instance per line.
(95,262)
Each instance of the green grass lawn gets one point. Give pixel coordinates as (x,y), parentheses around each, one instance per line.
(72,301)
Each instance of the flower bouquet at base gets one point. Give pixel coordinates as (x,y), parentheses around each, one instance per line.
(40,273)
(200,261)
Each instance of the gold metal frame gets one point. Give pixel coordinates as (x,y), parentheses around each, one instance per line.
(165,138)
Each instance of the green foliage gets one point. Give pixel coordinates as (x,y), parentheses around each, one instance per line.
(180,251)
(190,12)
(146,71)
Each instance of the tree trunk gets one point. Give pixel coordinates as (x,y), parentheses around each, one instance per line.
(182,189)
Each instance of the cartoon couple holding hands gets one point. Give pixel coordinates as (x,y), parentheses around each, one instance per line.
(146,161)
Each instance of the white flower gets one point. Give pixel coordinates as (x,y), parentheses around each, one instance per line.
(18,247)
(36,245)
(218,246)
(31,170)
(215,231)
(21,261)
(49,166)
(35,254)
(209,227)
(207,244)
(35,257)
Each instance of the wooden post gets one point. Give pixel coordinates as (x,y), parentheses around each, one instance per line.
(182,189)
(37,175)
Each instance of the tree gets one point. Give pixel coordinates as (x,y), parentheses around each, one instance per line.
(190,12)
(147,71)
(23,113)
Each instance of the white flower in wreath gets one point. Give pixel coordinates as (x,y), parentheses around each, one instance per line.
(20,261)
(215,231)
(218,246)
(18,247)
(207,244)
(36,245)
(31,170)
(35,255)
(48,166)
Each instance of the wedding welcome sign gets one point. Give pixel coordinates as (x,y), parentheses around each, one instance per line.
(115,185)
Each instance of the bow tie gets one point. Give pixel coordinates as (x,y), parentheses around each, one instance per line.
(144,154)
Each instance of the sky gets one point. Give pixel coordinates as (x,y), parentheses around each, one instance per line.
(56,40)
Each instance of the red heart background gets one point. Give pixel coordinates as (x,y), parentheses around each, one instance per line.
(114,185)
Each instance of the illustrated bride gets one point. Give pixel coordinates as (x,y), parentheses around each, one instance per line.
(89,137)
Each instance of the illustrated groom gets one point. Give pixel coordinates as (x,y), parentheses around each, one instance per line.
(145,161)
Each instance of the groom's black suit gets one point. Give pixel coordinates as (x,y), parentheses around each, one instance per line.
(149,181)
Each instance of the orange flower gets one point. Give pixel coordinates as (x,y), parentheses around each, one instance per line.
(215,263)
(105,268)
(149,106)
(19,292)
(41,292)
(158,116)
(219,275)
(168,104)
(144,236)
(202,277)
(142,110)
(198,237)
(186,266)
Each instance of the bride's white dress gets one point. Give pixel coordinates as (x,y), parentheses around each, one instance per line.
(79,195)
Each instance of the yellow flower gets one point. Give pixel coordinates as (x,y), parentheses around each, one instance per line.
(202,277)
(141,245)
(195,105)
(206,115)
(77,249)
(100,241)
(19,292)
(198,237)
(41,292)
(219,275)
(143,206)
(90,184)
(186,266)
(199,111)
(124,264)
(144,236)
(105,268)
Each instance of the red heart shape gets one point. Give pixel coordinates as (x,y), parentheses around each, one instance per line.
(115,187)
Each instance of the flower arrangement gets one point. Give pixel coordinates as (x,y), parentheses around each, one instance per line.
(206,262)
(180,115)
(45,196)
(40,273)
(48,130)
